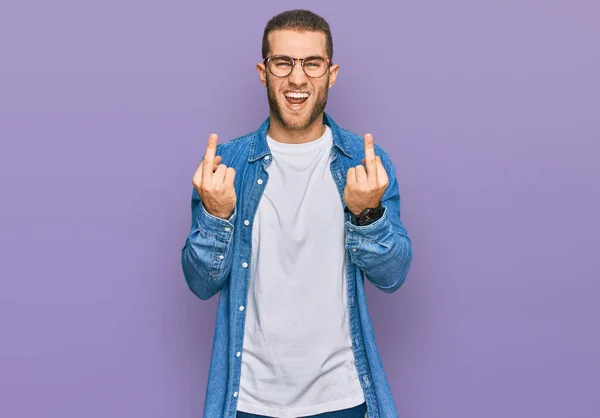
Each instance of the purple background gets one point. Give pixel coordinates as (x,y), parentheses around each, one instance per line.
(490,111)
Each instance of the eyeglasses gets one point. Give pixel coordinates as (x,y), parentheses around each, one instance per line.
(282,65)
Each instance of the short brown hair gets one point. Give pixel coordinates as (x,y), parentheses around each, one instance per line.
(298,20)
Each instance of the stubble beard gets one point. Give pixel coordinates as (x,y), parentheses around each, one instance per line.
(297,124)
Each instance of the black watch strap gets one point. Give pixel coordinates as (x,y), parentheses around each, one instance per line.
(367,216)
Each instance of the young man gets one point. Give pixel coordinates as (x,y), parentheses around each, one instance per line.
(286,223)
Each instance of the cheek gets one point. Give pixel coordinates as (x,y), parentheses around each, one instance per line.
(275,87)
(321,89)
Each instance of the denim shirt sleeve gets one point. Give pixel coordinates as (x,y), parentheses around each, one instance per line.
(382,250)
(206,255)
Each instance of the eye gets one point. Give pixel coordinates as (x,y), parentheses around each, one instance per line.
(281,62)
(314,62)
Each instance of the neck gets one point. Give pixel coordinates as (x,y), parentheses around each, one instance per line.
(296,136)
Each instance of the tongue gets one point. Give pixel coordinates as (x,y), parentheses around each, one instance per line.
(293,100)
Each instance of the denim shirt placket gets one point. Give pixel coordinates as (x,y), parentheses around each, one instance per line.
(239,291)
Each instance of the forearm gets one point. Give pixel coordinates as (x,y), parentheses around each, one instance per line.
(382,250)
(206,255)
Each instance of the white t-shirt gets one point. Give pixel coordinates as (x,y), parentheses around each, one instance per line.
(297,357)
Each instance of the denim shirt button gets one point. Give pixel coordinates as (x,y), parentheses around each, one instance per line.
(238,354)
(259,181)
(235,394)
(227,229)
(241,308)
(267,157)
(246,222)
(245,265)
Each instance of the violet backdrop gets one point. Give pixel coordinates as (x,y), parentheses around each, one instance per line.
(490,111)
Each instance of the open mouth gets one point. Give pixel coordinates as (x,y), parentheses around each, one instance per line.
(296,98)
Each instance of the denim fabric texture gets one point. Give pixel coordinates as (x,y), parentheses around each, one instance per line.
(359,411)
(216,260)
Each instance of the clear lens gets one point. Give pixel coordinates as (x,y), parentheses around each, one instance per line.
(281,66)
(315,66)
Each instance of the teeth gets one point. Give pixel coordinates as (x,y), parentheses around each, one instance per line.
(297,95)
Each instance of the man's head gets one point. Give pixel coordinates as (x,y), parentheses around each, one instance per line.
(297,34)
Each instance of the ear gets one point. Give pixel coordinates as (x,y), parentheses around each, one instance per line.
(333,72)
(262,73)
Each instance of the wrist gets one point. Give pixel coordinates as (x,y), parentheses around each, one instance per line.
(219,214)
(366,216)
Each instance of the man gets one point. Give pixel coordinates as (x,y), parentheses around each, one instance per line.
(285,223)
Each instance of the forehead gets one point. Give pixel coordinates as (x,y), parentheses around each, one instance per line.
(297,44)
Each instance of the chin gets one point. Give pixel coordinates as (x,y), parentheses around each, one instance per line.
(296,122)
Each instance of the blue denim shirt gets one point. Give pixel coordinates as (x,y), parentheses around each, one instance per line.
(216,258)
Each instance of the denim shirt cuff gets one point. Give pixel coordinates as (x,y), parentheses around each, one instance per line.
(216,226)
(373,232)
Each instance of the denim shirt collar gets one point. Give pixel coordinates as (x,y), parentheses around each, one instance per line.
(259,147)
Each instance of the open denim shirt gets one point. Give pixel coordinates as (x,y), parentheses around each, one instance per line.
(216,258)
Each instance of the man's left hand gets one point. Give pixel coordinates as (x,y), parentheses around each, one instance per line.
(365,184)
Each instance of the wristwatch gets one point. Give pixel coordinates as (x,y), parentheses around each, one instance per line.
(367,216)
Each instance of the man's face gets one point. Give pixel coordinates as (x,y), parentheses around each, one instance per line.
(295,113)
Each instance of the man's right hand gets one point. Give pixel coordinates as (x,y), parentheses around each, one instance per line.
(214,183)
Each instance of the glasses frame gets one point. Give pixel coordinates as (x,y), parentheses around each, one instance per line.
(268,59)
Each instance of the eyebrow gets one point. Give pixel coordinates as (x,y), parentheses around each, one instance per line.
(299,58)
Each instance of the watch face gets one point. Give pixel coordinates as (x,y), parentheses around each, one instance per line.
(369,216)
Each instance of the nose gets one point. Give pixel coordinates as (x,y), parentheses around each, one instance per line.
(297,76)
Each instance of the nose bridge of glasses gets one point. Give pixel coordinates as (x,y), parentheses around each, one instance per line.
(294,66)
